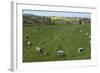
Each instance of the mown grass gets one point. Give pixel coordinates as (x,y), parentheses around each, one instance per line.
(50,37)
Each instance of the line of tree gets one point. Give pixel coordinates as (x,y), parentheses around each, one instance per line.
(51,20)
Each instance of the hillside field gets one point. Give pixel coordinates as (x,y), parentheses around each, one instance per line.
(52,37)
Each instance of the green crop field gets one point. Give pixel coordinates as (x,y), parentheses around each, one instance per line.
(50,38)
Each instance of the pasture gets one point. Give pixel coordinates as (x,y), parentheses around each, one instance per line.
(51,38)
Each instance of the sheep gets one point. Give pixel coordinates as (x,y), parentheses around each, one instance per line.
(80,30)
(90,41)
(46,53)
(89,36)
(60,53)
(29,43)
(80,49)
(38,49)
(87,33)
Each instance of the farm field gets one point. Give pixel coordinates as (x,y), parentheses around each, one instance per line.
(51,38)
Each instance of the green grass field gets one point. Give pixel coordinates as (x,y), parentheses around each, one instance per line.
(50,37)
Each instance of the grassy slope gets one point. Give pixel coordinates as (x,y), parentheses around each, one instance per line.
(49,37)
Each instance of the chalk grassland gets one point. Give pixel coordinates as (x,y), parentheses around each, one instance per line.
(50,37)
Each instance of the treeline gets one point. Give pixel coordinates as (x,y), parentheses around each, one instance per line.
(51,20)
